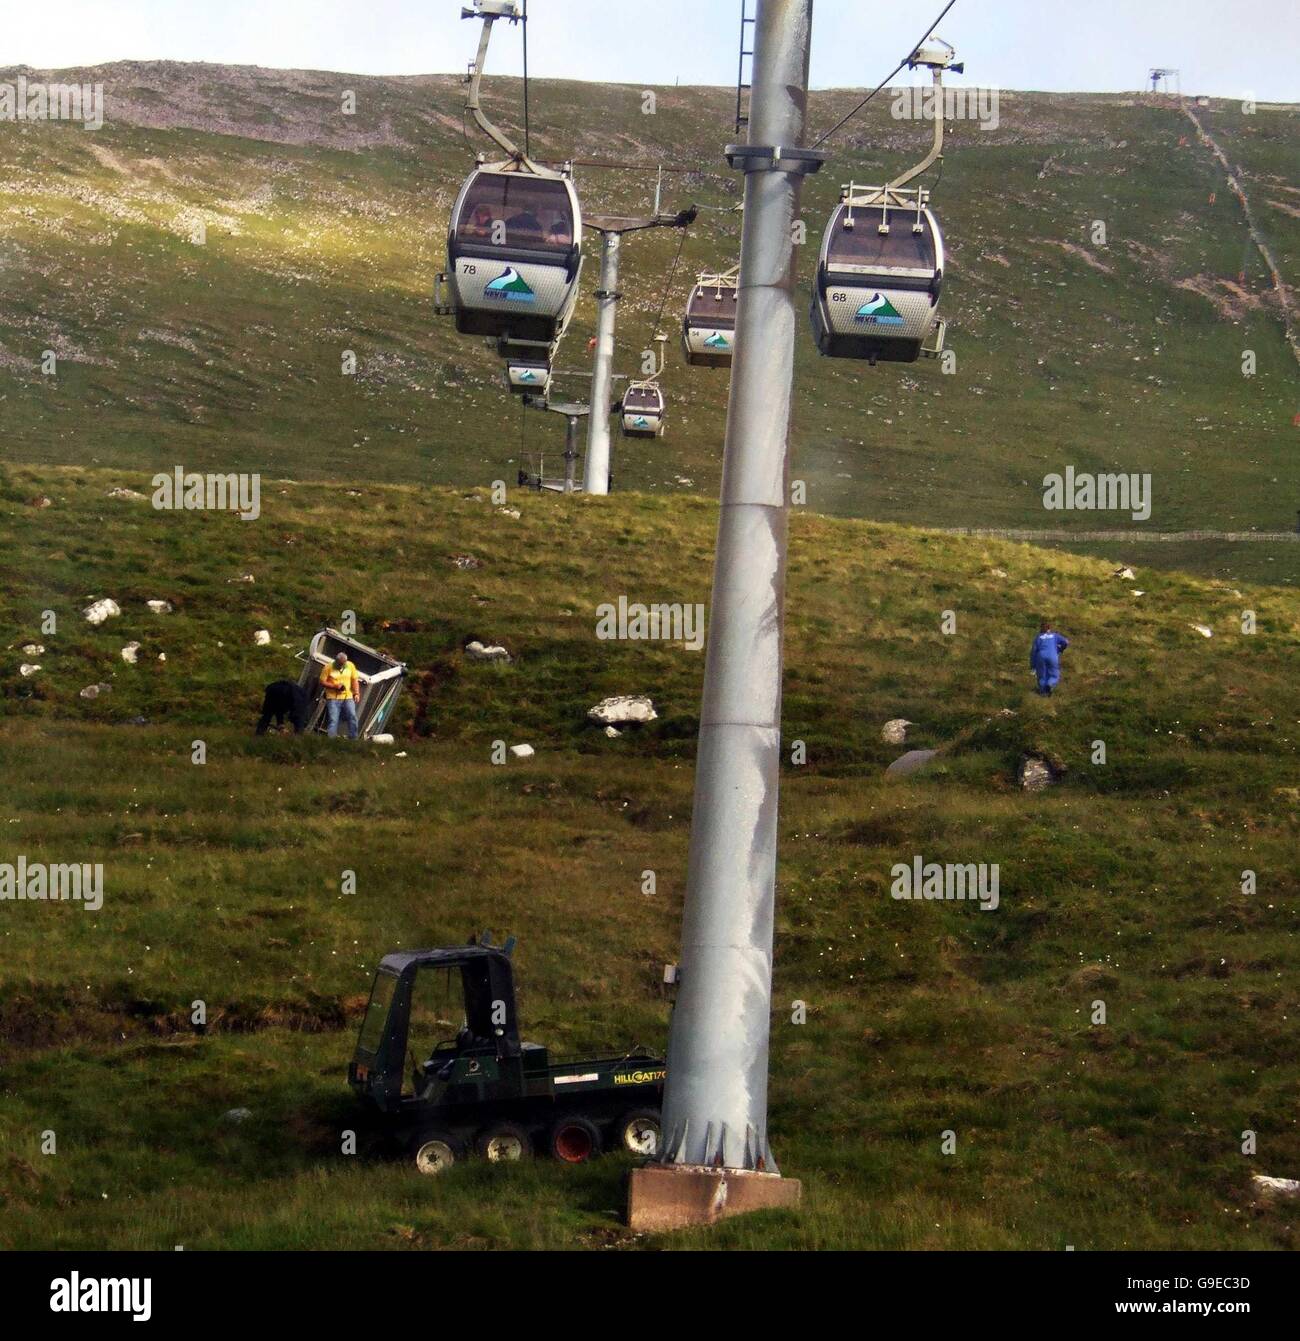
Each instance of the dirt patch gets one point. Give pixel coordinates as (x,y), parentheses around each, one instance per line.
(1073,249)
(1229,299)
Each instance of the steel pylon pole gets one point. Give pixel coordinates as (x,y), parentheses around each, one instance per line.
(596,470)
(715,1101)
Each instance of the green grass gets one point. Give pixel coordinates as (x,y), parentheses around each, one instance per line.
(230,353)
(223,881)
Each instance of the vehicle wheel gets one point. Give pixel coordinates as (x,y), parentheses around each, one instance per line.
(574,1139)
(638,1132)
(435,1150)
(504,1142)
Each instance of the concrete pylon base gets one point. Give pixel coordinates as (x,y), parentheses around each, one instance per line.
(678,1196)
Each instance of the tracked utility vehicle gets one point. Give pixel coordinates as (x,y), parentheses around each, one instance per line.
(484,1091)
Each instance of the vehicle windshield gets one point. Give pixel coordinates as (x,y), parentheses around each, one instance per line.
(376,1017)
(516,210)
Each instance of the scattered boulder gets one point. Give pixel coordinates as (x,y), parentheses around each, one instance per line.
(40,501)
(262,637)
(522,751)
(119,492)
(910,762)
(465,562)
(237,1115)
(509,512)
(382,738)
(27,669)
(95,690)
(1035,773)
(33,649)
(1125,574)
(160,607)
(998,572)
(1203,629)
(162,656)
(130,653)
(98,611)
(894,731)
(477,651)
(622,709)
(613,732)
(1274,1189)
(243,577)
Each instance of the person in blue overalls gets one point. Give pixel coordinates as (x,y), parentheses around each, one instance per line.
(1045,657)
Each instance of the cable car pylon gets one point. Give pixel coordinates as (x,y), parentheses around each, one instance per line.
(715,1157)
(612,229)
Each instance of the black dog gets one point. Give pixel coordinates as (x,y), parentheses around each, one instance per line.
(284,699)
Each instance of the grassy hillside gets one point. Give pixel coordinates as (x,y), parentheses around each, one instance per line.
(324,232)
(1122,883)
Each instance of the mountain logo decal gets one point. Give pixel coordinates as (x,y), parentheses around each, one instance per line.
(510,287)
(717,341)
(879,311)
(640,422)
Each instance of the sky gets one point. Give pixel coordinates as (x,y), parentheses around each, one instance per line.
(1226,48)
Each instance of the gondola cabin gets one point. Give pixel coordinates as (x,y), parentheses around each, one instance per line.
(513,254)
(528,375)
(709,326)
(877,291)
(643,410)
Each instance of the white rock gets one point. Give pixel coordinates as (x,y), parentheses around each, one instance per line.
(99,611)
(894,732)
(243,577)
(160,607)
(1035,773)
(383,738)
(522,751)
(613,732)
(1275,1187)
(509,512)
(27,669)
(130,653)
(623,708)
(1203,629)
(998,572)
(94,690)
(1126,574)
(162,656)
(237,1115)
(401,754)
(477,651)
(262,637)
(33,649)
(123,493)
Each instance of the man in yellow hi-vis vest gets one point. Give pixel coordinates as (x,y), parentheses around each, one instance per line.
(342,694)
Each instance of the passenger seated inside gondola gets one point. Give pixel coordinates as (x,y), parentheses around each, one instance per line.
(523,229)
(479,224)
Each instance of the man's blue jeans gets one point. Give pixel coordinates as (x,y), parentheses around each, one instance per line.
(345,708)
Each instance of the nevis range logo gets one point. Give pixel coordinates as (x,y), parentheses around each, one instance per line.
(510,287)
(717,341)
(878,311)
